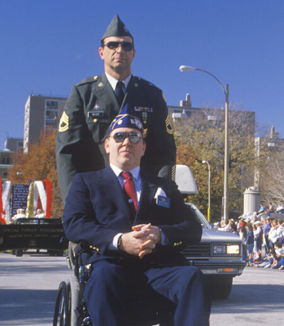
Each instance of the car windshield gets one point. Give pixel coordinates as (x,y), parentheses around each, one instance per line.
(205,224)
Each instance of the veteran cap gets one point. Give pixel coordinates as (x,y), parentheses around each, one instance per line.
(116,28)
(125,121)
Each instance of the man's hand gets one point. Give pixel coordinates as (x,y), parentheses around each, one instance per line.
(141,241)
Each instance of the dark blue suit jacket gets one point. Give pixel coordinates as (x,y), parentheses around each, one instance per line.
(96,210)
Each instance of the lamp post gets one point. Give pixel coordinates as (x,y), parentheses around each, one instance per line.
(225,89)
(209,189)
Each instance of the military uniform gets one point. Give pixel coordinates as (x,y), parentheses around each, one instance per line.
(88,113)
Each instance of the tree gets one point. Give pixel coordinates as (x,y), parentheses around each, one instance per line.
(272,178)
(203,140)
(39,164)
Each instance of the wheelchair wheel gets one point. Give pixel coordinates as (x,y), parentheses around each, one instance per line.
(62,306)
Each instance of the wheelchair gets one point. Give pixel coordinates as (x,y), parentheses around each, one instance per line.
(71,310)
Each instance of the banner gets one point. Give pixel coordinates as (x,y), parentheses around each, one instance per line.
(6,189)
(2,220)
(48,189)
(43,196)
(30,201)
(19,197)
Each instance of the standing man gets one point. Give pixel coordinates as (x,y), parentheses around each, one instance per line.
(94,103)
(136,227)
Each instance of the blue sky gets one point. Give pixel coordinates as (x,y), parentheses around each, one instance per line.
(46,46)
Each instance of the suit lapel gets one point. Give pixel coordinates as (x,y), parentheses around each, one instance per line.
(147,196)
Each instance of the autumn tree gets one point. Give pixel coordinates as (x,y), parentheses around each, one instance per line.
(199,140)
(38,164)
(272,175)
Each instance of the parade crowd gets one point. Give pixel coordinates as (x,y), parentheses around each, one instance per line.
(262,236)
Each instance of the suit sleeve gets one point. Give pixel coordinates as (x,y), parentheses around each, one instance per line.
(79,219)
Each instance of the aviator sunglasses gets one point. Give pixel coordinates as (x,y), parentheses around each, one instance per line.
(133,137)
(126,46)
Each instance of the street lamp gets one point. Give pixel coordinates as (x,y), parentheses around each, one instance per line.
(209,190)
(184,68)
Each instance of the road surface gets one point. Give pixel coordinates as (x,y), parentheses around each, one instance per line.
(28,288)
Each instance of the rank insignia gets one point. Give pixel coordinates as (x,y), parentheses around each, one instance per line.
(169,126)
(95,77)
(64,122)
(100,84)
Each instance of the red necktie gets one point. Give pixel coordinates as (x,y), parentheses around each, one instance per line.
(129,187)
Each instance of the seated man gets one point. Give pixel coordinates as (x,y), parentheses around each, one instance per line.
(136,225)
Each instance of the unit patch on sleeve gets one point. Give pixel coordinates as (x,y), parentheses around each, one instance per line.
(169,126)
(64,122)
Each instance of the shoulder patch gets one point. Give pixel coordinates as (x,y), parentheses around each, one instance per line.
(64,122)
(169,127)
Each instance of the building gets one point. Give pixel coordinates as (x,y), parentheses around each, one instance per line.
(241,121)
(5,163)
(41,113)
(13,144)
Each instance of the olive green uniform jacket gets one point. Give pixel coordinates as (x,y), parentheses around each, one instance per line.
(84,124)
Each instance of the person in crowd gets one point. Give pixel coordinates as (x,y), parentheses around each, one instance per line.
(233,228)
(279,256)
(243,232)
(39,213)
(136,224)
(95,101)
(250,244)
(226,227)
(275,259)
(274,232)
(258,234)
(20,213)
(266,229)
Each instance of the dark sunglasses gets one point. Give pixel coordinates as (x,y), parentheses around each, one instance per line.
(133,136)
(127,46)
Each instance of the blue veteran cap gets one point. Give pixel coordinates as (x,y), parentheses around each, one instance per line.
(126,121)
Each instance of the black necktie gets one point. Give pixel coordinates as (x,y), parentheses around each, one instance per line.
(119,92)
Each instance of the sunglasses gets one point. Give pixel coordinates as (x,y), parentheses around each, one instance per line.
(126,46)
(133,137)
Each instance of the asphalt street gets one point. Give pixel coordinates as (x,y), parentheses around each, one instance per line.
(28,287)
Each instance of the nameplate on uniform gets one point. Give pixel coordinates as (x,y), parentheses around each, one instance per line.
(163,201)
(96,114)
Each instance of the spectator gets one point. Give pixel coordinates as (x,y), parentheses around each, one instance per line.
(274,233)
(266,228)
(243,232)
(250,243)
(39,213)
(258,233)
(20,214)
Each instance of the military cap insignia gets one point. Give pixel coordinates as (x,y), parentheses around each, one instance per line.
(169,126)
(64,122)
(145,132)
(95,78)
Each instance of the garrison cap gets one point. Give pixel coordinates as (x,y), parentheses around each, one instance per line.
(116,28)
(126,121)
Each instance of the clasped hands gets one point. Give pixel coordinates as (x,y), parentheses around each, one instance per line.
(142,240)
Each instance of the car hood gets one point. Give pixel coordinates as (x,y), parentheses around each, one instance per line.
(219,236)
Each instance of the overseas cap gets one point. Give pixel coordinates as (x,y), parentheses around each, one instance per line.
(125,121)
(116,28)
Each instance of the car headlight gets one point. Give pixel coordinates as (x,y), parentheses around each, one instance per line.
(233,249)
(226,249)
